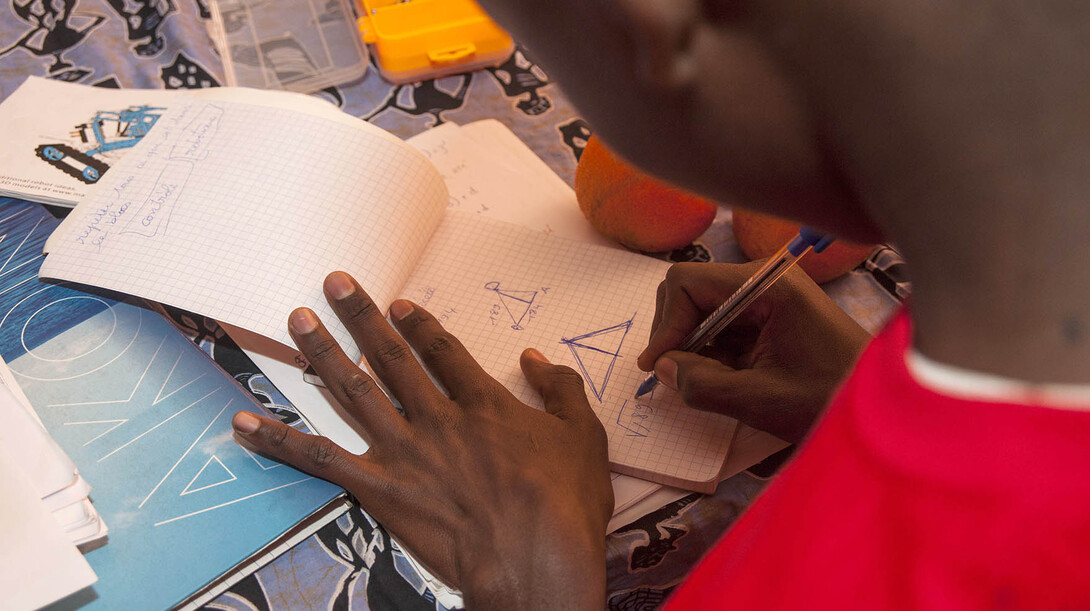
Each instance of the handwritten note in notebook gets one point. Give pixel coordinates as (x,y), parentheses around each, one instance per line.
(238,211)
(188,218)
(490,172)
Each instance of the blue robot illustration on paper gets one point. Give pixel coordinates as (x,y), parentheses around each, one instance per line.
(107,131)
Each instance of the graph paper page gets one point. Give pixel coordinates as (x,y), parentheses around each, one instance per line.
(501,288)
(238,212)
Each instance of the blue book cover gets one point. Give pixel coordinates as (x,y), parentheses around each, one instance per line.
(146,416)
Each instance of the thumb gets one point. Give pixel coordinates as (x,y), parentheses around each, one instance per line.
(561,387)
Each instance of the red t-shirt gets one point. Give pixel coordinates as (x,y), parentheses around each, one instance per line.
(903,498)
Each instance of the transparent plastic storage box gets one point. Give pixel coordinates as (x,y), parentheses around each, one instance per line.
(297,45)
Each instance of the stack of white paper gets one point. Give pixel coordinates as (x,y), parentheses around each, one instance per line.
(44,512)
(38,562)
(51,473)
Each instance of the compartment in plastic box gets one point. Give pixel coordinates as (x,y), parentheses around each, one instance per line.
(298,45)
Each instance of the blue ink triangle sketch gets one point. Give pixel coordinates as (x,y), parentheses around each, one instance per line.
(597,352)
(517,303)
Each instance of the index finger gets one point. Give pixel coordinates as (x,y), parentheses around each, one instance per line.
(690,292)
(676,315)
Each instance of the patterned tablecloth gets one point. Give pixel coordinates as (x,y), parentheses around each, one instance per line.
(349,563)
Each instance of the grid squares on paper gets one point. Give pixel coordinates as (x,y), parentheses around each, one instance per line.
(577,289)
(278,200)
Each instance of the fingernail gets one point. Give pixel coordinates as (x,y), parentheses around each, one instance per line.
(246,423)
(303,321)
(666,372)
(533,353)
(401,308)
(339,285)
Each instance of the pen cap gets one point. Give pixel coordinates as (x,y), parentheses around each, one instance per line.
(809,238)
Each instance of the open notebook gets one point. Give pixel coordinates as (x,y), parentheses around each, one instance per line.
(238,212)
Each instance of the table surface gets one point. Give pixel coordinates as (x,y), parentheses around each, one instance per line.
(349,563)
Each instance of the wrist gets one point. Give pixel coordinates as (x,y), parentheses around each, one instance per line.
(560,569)
(575,585)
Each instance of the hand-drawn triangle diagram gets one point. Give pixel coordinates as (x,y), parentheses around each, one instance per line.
(597,352)
(517,303)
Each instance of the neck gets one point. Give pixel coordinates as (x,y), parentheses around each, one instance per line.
(970,151)
(1012,301)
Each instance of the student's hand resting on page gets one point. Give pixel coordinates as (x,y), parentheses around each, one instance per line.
(499,499)
(775,367)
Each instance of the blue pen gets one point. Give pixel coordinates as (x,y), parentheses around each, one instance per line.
(777,266)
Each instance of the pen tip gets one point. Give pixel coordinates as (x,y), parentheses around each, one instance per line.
(646,386)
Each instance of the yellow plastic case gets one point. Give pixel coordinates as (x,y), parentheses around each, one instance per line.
(413,40)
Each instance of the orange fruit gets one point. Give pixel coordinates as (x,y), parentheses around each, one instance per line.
(760,235)
(635,208)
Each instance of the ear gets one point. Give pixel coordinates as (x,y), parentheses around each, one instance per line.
(662,33)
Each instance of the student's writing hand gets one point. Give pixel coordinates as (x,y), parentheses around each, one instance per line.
(774,368)
(507,502)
